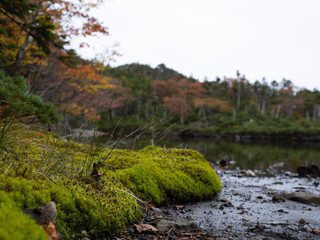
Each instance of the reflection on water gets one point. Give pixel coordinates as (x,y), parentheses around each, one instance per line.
(255,156)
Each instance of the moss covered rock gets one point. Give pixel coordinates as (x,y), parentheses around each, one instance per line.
(158,174)
(100,210)
(14,224)
(43,168)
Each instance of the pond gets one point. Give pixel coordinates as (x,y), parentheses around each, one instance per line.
(244,155)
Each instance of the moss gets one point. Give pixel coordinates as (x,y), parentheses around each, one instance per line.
(159,174)
(102,209)
(14,224)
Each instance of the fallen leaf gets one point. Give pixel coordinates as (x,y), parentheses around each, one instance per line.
(51,231)
(145,227)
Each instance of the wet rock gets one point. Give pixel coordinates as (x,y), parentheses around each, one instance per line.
(287,173)
(278,198)
(224,199)
(278,183)
(156,210)
(250,173)
(44,214)
(224,161)
(282,211)
(180,223)
(308,171)
(227,204)
(258,228)
(277,165)
(240,207)
(303,197)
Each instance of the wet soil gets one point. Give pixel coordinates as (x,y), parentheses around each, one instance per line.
(246,208)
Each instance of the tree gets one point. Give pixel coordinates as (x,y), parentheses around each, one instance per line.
(35,29)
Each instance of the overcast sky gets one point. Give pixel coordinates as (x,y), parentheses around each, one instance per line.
(261,38)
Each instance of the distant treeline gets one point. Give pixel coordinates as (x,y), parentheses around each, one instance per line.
(165,95)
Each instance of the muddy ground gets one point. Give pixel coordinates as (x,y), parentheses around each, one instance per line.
(246,208)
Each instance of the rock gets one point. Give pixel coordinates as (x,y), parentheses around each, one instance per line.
(85,238)
(224,161)
(278,165)
(303,197)
(156,210)
(224,199)
(250,173)
(44,214)
(240,207)
(278,198)
(309,171)
(287,173)
(227,204)
(180,223)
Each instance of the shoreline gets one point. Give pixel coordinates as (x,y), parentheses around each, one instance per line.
(246,208)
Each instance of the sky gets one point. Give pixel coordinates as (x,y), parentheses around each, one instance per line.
(274,39)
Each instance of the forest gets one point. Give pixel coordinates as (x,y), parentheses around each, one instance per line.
(43,78)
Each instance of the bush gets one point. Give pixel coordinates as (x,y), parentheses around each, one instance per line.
(15,99)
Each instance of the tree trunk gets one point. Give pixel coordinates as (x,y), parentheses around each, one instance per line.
(263,107)
(165,113)
(147,110)
(278,111)
(181,116)
(20,55)
(238,94)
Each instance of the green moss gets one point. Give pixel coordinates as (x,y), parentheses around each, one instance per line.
(14,224)
(159,174)
(45,169)
(99,209)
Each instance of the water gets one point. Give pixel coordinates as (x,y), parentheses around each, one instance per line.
(243,156)
(254,156)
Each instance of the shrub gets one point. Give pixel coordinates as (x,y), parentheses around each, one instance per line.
(15,99)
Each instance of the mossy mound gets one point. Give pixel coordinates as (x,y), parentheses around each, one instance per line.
(14,224)
(159,174)
(100,209)
(43,168)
